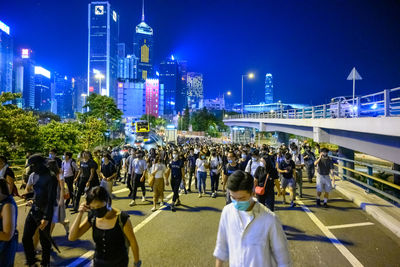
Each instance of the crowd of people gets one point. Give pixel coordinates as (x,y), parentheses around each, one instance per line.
(247,176)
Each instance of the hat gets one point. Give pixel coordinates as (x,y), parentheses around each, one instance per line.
(36,159)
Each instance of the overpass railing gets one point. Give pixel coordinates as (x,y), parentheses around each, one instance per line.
(378,185)
(384,103)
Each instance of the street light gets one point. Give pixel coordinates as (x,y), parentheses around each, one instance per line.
(228,93)
(99,76)
(250,76)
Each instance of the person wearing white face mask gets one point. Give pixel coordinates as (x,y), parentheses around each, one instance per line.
(215,169)
(249,234)
(201,171)
(254,163)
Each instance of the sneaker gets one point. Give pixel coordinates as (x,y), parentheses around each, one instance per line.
(177,203)
(143,199)
(161,203)
(173,207)
(318,202)
(213,195)
(133,203)
(153,209)
(325,205)
(200,195)
(292,204)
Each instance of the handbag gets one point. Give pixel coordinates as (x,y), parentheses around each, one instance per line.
(260,190)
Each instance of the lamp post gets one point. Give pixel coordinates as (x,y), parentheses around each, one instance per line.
(223,98)
(250,76)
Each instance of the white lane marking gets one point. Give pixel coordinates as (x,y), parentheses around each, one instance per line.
(349,225)
(90,254)
(121,191)
(345,252)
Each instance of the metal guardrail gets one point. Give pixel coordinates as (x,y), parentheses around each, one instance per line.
(384,103)
(343,174)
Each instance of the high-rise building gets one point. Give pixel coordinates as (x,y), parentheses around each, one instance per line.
(194,89)
(131,99)
(181,94)
(42,89)
(63,95)
(103,49)
(24,79)
(6,59)
(169,78)
(143,48)
(127,68)
(152,97)
(269,89)
(80,93)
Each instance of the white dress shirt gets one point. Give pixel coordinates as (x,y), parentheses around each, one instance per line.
(251,239)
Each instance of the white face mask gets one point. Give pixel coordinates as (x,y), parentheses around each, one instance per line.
(175,156)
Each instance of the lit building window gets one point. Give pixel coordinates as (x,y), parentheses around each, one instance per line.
(144,53)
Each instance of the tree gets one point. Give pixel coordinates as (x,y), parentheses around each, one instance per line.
(103,108)
(153,121)
(61,136)
(92,132)
(18,128)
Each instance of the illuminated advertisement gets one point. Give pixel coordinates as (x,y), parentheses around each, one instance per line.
(42,71)
(25,53)
(4,27)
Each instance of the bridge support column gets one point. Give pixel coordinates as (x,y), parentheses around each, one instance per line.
(348,154)
(283,138)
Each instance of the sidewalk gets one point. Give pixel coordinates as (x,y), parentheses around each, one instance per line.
(382,211)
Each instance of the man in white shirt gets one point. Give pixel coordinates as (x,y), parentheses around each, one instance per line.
(249,234)
(138,172)
(254,162)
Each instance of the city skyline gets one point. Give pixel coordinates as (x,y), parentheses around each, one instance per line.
(309,48)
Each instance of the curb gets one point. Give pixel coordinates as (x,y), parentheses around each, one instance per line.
(371,204)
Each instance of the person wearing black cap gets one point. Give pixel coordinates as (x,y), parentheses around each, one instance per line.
(44,186)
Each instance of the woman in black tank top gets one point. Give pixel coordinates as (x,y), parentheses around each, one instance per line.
(112,230)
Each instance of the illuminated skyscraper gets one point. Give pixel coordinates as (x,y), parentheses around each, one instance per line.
(143,48)
(24,79)
(103,49)
(42,89)
(269,89)
(6,58)
(63,87)
(194,89)
(170,80)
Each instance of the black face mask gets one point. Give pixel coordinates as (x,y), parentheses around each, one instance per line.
(100,212)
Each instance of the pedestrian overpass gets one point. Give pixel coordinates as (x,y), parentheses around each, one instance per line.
(371,125)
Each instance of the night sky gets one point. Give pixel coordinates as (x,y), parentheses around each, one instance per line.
(310,46)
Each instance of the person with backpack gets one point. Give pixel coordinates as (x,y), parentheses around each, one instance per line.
(309,160)
(69,170)
(44,186)
(299,162)
(108,173)
(86,177)
(215,169)
(230,168)
(8,226)
(112,230)
(254,162)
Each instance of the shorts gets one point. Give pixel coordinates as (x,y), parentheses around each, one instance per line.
(324,183)
(288,182)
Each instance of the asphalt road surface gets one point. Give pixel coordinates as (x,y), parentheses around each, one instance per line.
(340,235)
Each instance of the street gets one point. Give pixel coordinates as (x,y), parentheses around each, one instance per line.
(341,235)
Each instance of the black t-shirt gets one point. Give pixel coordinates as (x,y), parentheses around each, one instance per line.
(325,165)
(108,170)
(85,168)
(176,169)
(287,166)
(229,169)
(10,173)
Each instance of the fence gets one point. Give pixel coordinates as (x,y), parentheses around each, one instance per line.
(384,103)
